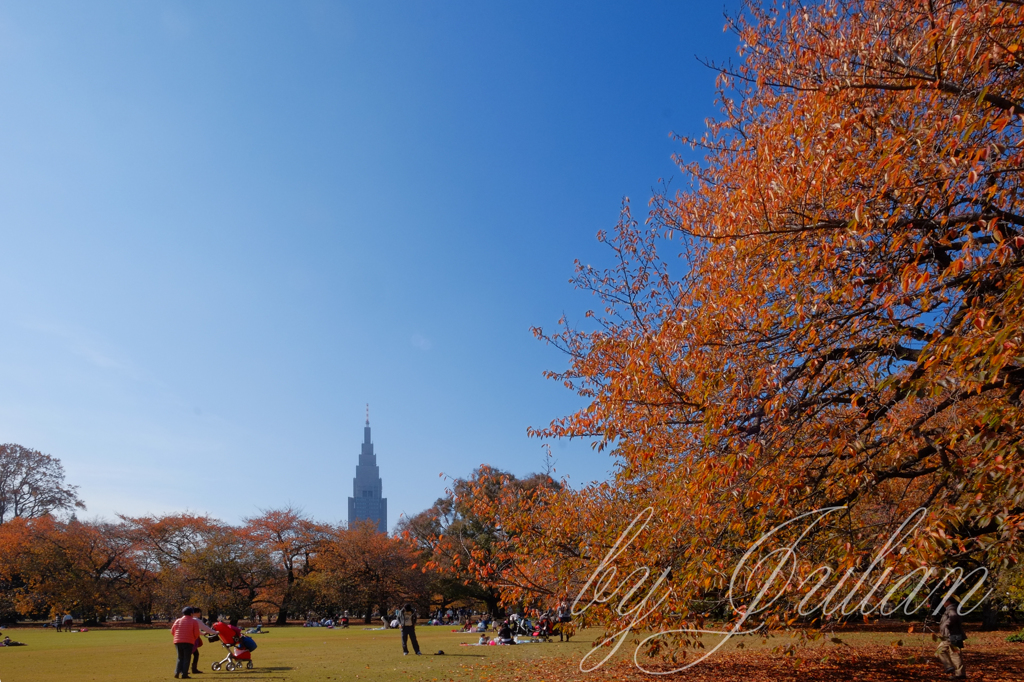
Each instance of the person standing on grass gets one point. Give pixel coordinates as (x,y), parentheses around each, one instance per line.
(185,631)
(197,614)
(406,617)
(68,620)
(564,616)
(951,632)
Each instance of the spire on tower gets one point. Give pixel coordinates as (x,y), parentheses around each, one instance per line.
(367,414)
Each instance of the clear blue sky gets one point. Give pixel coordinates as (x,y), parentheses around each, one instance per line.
(229,225)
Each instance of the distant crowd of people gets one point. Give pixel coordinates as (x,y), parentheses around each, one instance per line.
(328,622)
(543,625)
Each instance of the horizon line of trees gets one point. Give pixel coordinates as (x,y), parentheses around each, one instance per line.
(280,564)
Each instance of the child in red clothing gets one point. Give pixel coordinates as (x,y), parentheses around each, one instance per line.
(228,633)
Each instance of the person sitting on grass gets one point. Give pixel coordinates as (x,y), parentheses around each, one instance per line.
(505,634)
(9,642)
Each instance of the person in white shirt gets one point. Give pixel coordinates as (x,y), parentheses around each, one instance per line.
(197,615)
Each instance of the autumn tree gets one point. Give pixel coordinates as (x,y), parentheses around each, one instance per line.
(139,584)
(230,573)
(827,314)
(447,584)
(468,549)
(362,569)
(52,566)
(291,540)
(201,561)
(32,484)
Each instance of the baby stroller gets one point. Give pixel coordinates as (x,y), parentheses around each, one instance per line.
(239,653)
(544,629)
(520,626)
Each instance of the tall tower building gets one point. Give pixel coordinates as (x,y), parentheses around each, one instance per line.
(367,501)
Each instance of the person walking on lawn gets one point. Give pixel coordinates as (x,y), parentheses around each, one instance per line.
(951,632)
(406,617)
(205,629)
(185,631)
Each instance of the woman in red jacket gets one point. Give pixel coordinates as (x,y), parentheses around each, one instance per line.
(185,631)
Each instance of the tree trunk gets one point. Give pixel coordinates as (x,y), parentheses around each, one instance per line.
(989,616)
(491,599)
(282,615)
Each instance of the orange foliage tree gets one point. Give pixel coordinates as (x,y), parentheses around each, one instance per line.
(203,562)
(51,567)
(829,314)
(467,550)
(279,562)
(292,541)
(364,571)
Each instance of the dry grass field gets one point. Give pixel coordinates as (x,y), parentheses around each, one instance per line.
(297,654)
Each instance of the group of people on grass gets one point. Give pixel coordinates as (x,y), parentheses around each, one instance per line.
(328,622)
(188,632)
(451,616)
(546,626)
(63,622)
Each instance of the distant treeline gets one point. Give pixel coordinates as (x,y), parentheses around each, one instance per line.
(279,565)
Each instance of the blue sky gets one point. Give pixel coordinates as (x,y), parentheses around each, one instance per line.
(229,225)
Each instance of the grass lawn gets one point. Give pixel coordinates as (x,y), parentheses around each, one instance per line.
(297,654)
(294,654)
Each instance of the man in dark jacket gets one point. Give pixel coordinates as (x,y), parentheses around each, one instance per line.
(406,617)
(951,632)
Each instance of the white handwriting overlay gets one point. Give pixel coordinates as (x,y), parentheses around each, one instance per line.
(604,587)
